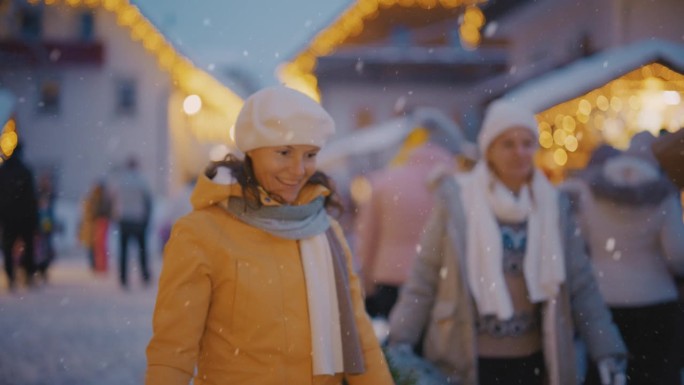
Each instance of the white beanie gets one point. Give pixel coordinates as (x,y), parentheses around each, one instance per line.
(280,116)
(499,117)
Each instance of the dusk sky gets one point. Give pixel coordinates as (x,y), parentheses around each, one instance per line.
(252,35)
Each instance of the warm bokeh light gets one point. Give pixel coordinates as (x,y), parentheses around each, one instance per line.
(192,104)
(8,142)
(648,98)
(671,98)
(571,143)
(545,139)
(474,16)
(616,104)
(361,190)
(602,103)
(560,157)
(584,107)
(8,139)
(470,36)
(544,126)
(559,137)
(569,123)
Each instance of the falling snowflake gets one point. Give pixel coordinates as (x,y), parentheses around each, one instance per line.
(610,244)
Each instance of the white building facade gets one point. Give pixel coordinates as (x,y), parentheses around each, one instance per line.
(88,96)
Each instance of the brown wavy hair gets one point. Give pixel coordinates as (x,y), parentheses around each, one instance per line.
(243,171)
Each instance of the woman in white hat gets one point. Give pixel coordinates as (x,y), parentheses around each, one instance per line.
(502,275)
(257,285)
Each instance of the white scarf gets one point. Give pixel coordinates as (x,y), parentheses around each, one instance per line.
(324,314)
(485,199)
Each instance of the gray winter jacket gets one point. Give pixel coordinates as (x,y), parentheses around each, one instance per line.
(437,299)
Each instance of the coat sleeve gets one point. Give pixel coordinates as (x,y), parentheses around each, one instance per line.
(672,234)
(590,313)
(410,315)
(377,371)
(180,311)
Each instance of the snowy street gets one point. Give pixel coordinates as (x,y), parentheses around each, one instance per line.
(79,329)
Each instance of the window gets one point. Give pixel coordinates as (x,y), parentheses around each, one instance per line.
(49,97)
(400,36)
(87,31)
(126,97)
(30,23)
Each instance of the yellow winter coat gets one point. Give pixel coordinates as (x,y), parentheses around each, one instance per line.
(86,228)
(232,303)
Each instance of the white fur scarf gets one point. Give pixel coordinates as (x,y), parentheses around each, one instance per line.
(485,199)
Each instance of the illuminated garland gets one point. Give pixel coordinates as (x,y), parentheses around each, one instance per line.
(299,73)
(8,140)
(185,76)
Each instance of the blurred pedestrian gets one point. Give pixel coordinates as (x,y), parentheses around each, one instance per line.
(132,210)
(47,225)
(668,149)
(257,285)
(390,223)
(94,231)
(18,215)
(599,155)
(502,274)
(631,217)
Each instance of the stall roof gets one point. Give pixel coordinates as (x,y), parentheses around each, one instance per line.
(592,72)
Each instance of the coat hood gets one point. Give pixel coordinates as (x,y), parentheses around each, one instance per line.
(630,181)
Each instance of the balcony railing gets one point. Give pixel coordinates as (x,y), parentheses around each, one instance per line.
(24,53)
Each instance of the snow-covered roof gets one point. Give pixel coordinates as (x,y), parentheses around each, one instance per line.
(7,101)
(374,139)
(592,72)
(234,39)
(386,137)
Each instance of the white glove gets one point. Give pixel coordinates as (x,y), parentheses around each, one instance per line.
(612,370)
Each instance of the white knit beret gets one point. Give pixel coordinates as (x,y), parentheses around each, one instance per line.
(279,116)
(499,117)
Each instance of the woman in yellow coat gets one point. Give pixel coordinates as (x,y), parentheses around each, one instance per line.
(257,285)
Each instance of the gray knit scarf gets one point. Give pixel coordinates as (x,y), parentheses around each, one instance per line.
(305,221)
(284,221)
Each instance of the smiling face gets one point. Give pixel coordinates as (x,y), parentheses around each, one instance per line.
(283,170)
(511,156)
